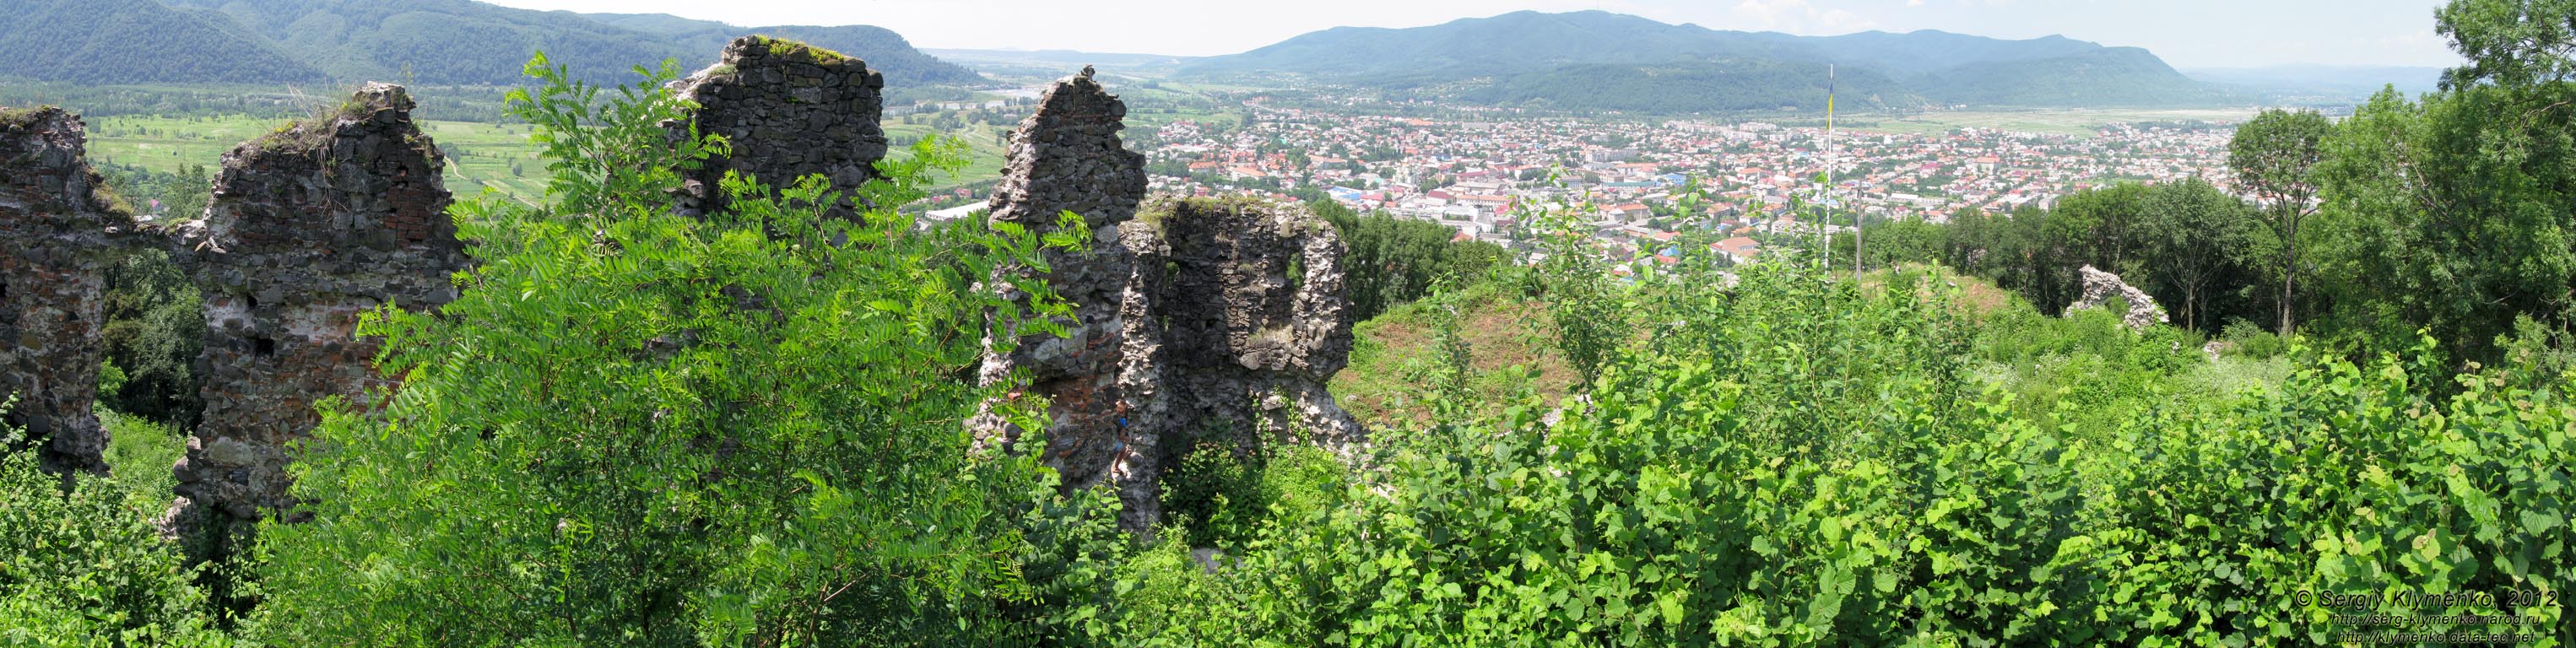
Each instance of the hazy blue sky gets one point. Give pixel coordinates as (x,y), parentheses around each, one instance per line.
(2187,33)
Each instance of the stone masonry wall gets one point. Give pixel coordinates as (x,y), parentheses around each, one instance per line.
(2100,287)
(1105,407)
(308,228)
(59,232)
(790,110)
(1187,322)
(1255,319)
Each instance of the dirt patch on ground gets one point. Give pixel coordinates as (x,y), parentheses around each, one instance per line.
(1388,381)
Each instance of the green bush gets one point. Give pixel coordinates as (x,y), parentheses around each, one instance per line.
(2251,340)
(1798,464)
(82,565)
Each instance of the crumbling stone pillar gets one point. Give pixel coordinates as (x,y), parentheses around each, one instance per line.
(58,231)
(791,110)
(308,228)
(1191,317)
(1105,408)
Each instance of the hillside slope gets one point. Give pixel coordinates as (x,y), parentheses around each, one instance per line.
(467,42)
(884,50)
(1748,85)
(135,41)
(2122,76)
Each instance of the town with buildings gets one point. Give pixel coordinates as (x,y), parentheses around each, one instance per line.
(1627,176)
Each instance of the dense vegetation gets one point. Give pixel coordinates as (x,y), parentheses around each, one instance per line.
(638,429)
(2367,232)
(1390,261)
(2115,76)
(884,50)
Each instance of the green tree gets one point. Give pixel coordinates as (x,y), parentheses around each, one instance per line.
(2274,157)
(186,192)
(2452,213)
(2509,42)
(156,326)
(2200,235)
(1390,261)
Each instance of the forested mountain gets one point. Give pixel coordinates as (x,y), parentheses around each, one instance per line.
(1566,60)
(135,41)
(2352,81)
(1749,85)
(2121,76)
(421,41)
(439,41)
(884,50)
(1929,50)
(1518,42)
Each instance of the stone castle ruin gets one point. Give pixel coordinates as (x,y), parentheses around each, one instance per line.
(2100,287)
(1194,319)
(789,110)
(309,227)
(1200,320)
(59,233)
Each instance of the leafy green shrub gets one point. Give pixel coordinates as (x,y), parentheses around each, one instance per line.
(2250,340)
(1734,480)
(82,565)
(1216,495)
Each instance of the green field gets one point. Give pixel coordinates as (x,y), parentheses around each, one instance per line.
(2079,123)
(985,150)
(479,155)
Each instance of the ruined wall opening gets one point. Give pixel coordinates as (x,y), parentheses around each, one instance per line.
(264,347)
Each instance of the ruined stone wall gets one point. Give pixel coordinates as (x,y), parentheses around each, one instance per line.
(1106,413)
(1254,318)
(790,110)
(1201,318)
(308,228)
(59,231)
(2100,287)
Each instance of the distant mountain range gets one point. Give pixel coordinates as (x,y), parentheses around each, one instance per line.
(136,41)
(2326,80)
(425,41)
(1601,60)
(1581,61)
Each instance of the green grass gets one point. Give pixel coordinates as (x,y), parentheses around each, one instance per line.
(1393,357)
(2079,123)
(984,157)
(141,452)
